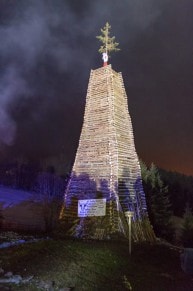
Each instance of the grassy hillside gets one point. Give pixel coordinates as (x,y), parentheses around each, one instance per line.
(91,265)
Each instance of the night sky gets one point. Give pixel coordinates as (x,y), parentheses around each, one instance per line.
(47,49)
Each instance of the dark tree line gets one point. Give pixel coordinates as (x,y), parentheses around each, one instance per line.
(158,202)
(19,176)
(169,194)
(180,190)
(25,175)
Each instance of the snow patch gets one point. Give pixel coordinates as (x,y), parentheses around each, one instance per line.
(10,197)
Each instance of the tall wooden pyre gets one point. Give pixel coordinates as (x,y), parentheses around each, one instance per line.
(106,172)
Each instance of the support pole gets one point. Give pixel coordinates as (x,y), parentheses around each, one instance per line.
(129,215)
(129,234)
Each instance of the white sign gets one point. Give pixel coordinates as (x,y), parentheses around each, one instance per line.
(92,207)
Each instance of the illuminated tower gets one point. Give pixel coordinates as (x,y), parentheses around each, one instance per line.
(105,181)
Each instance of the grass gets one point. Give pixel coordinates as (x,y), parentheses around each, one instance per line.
(96,265)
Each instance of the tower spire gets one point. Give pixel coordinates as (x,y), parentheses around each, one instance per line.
(108,43)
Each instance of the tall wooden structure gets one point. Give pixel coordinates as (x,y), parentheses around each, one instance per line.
(106,174)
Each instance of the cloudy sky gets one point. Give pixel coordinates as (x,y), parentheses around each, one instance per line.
(47,49)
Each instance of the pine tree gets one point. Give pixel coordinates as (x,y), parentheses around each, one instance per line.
(158,204)
(108,43)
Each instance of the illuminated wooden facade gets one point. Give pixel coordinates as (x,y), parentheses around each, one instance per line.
(106,164)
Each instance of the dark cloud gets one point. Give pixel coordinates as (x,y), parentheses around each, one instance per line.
(47,49)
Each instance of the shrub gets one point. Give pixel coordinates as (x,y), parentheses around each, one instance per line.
(187,228)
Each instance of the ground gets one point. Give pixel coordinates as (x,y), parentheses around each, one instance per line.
(86,265)
(96,265)
(21,209)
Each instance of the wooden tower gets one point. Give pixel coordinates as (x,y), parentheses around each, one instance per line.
(105,182)
(106,174)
